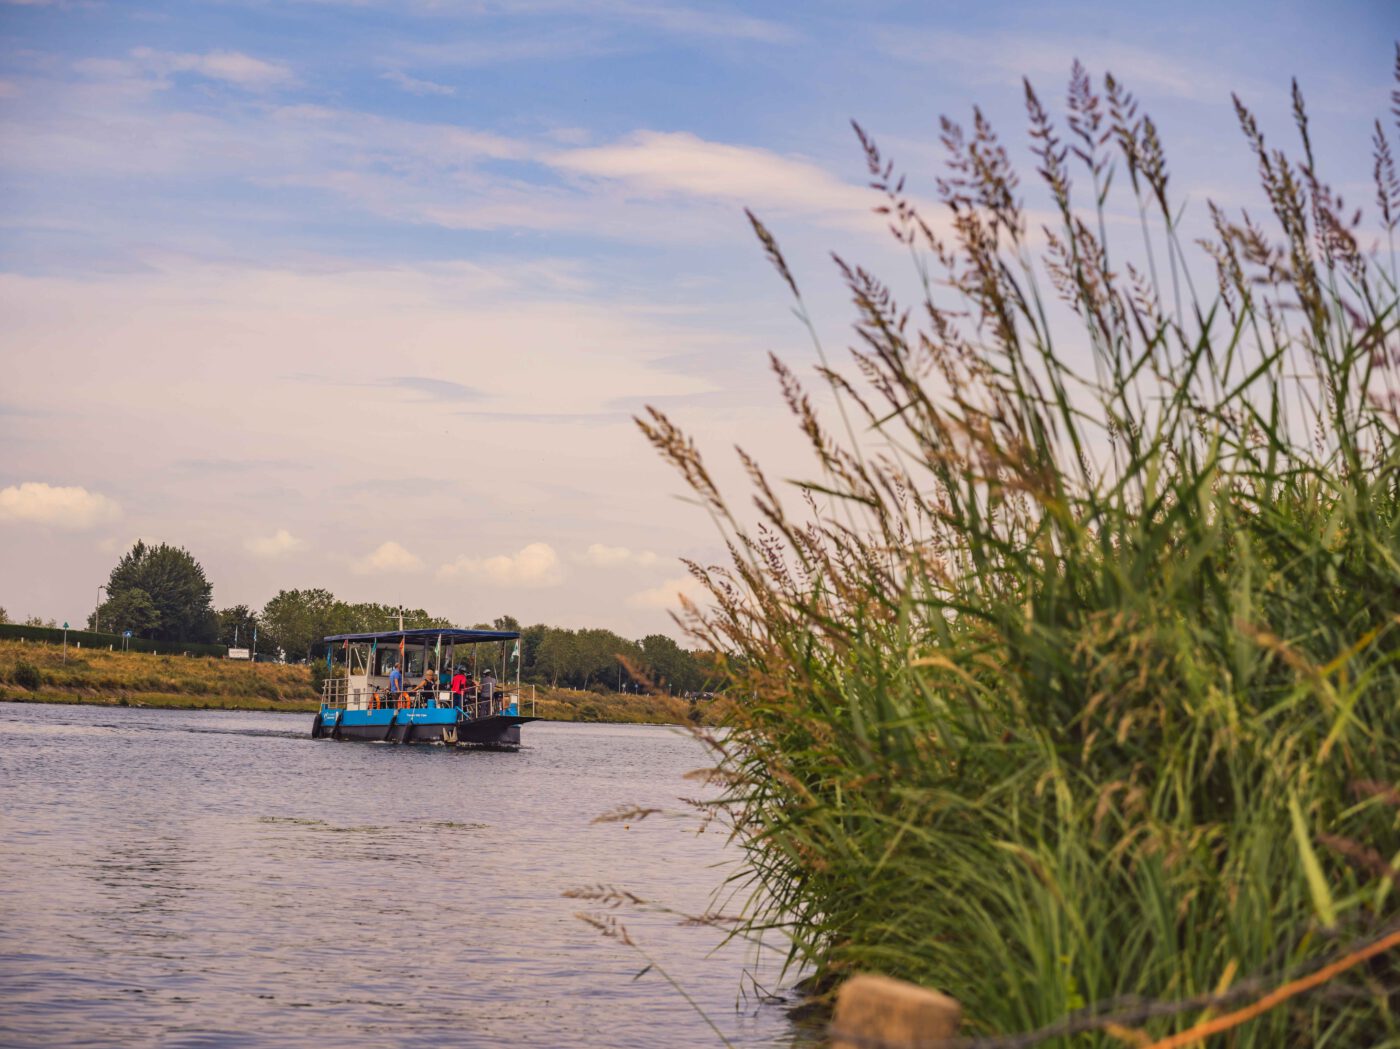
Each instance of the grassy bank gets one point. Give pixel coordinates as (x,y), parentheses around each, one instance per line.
(1075,664)
(566,704)
(36,672)
(33,672)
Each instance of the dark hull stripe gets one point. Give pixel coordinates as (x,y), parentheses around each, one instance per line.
(495,731)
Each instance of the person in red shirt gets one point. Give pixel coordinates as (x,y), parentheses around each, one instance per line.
(459,686)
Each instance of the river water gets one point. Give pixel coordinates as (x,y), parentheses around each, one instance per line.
(211,878)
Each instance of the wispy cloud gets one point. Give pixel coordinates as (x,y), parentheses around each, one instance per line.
(678,19)
(66,508)
(534,565)
(678,162)
(414,86)
(533,45)
(388,557)
(230,67)
(434,389)
(1007,57)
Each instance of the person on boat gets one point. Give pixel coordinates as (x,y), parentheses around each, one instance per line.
(426,687)
(459,687)
(487,691)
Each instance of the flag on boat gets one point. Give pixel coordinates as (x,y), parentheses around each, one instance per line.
(515,652)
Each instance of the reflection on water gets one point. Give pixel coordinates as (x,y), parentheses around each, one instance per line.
(218,879)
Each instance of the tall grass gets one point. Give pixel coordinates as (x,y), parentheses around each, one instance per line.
(1077,673)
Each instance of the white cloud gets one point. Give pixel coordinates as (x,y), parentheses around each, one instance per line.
(389,557)
(70,509)
(534,565)
(414,86)
(601,556)
(668,595)
(232,67)
(679,162)
(1007,57)
(275,545)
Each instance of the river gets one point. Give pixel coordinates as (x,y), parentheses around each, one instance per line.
(218,879)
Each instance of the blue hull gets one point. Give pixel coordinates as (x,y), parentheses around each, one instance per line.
(419,725)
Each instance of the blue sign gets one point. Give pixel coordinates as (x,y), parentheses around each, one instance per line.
(126,633)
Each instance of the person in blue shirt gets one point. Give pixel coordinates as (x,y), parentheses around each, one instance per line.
(395,682)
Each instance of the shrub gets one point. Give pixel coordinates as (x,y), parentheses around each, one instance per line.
(1075,677)
(26,675)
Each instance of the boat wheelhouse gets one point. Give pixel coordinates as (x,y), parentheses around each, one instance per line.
(453,687)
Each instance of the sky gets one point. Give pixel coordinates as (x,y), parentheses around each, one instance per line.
(365,295)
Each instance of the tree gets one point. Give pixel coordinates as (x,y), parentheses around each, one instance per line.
(40,621)
(297,619)
(554,656)
(666,663)
(237,624)
(4,616)
(130,609)
(176,588)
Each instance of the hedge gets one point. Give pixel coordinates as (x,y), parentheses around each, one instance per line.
(92,639)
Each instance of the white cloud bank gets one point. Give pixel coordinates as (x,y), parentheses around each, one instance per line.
(388,557)
(534,565)
(70,509)
(275,545)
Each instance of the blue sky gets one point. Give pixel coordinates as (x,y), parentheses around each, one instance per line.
(363,295)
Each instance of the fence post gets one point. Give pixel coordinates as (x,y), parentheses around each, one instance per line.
(879,1012)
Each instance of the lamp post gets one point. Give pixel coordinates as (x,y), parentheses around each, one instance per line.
(97,612)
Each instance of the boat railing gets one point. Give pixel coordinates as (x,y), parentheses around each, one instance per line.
(340,694)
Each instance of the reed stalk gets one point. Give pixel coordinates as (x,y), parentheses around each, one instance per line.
(1073,666)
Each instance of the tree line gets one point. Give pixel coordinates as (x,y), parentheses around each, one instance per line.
(161,592)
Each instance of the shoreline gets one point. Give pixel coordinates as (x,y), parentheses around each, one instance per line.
(40,673)
(251,706)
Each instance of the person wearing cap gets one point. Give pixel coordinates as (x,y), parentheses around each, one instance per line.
(488,688)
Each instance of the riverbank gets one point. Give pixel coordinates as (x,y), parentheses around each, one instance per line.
(32,672)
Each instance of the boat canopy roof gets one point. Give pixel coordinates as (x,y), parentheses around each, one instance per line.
(453,634)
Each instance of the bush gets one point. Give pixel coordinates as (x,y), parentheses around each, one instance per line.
(26,675)
(1077,680)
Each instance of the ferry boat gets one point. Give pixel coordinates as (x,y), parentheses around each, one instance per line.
(447,691)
